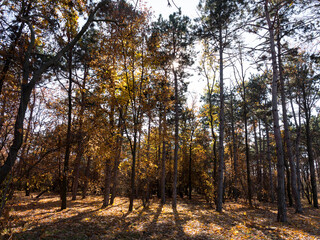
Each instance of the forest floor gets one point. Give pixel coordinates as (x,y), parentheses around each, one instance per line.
(31,218)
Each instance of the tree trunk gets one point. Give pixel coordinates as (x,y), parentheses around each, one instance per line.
(214,138)
(288,182)
(262,152)
(159,154)
(221,128)
(176,143)
(64,184)
(107,183)
(282,209)
(148,155)
(234,145)
(311,162)
(258,154)
(86,178)
(163,162)
(294,187)
(116,164)
(297,143)
(80,147)
(247,144)
(76,169)
(190,169)
(298,157)
(269,163)
(133,169)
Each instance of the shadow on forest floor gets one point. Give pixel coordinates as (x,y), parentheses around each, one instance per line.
(192,219)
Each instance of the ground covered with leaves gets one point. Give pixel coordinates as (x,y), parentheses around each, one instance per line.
(84,219)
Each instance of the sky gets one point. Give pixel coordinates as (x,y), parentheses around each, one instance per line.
(188,8)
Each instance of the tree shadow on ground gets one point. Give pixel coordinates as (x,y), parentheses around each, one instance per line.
(232,217)
(84,219)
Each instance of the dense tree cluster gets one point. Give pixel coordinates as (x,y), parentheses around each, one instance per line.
(93,100)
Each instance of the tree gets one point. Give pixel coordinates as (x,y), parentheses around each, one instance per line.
(282,211)
(28,84)
(305,80)
(239,75)
(217,18)
(208,70)
(177,41)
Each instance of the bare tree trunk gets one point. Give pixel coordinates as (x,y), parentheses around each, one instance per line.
(25,147)
(234,144)
(298,155)
(80,147)
(311,162)
(148,155)
(262,151)
(112,158)
(258,154)
(107,183)
(163,162)
(288,181)
(297,143)
(176,139)
(221,129)
(64,184)
(294,187)
(116,163)
(133,169)
(282,209)
(159,154)
(76,171)
(190,167)
(214,138)
(245,113)
(269,163)
(86,177)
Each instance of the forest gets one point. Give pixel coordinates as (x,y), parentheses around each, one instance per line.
(100,139)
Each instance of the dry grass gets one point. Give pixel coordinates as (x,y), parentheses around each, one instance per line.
(84,219)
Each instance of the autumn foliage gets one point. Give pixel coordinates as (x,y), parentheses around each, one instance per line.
(97,121)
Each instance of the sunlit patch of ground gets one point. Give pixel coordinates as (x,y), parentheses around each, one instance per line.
(84,219)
